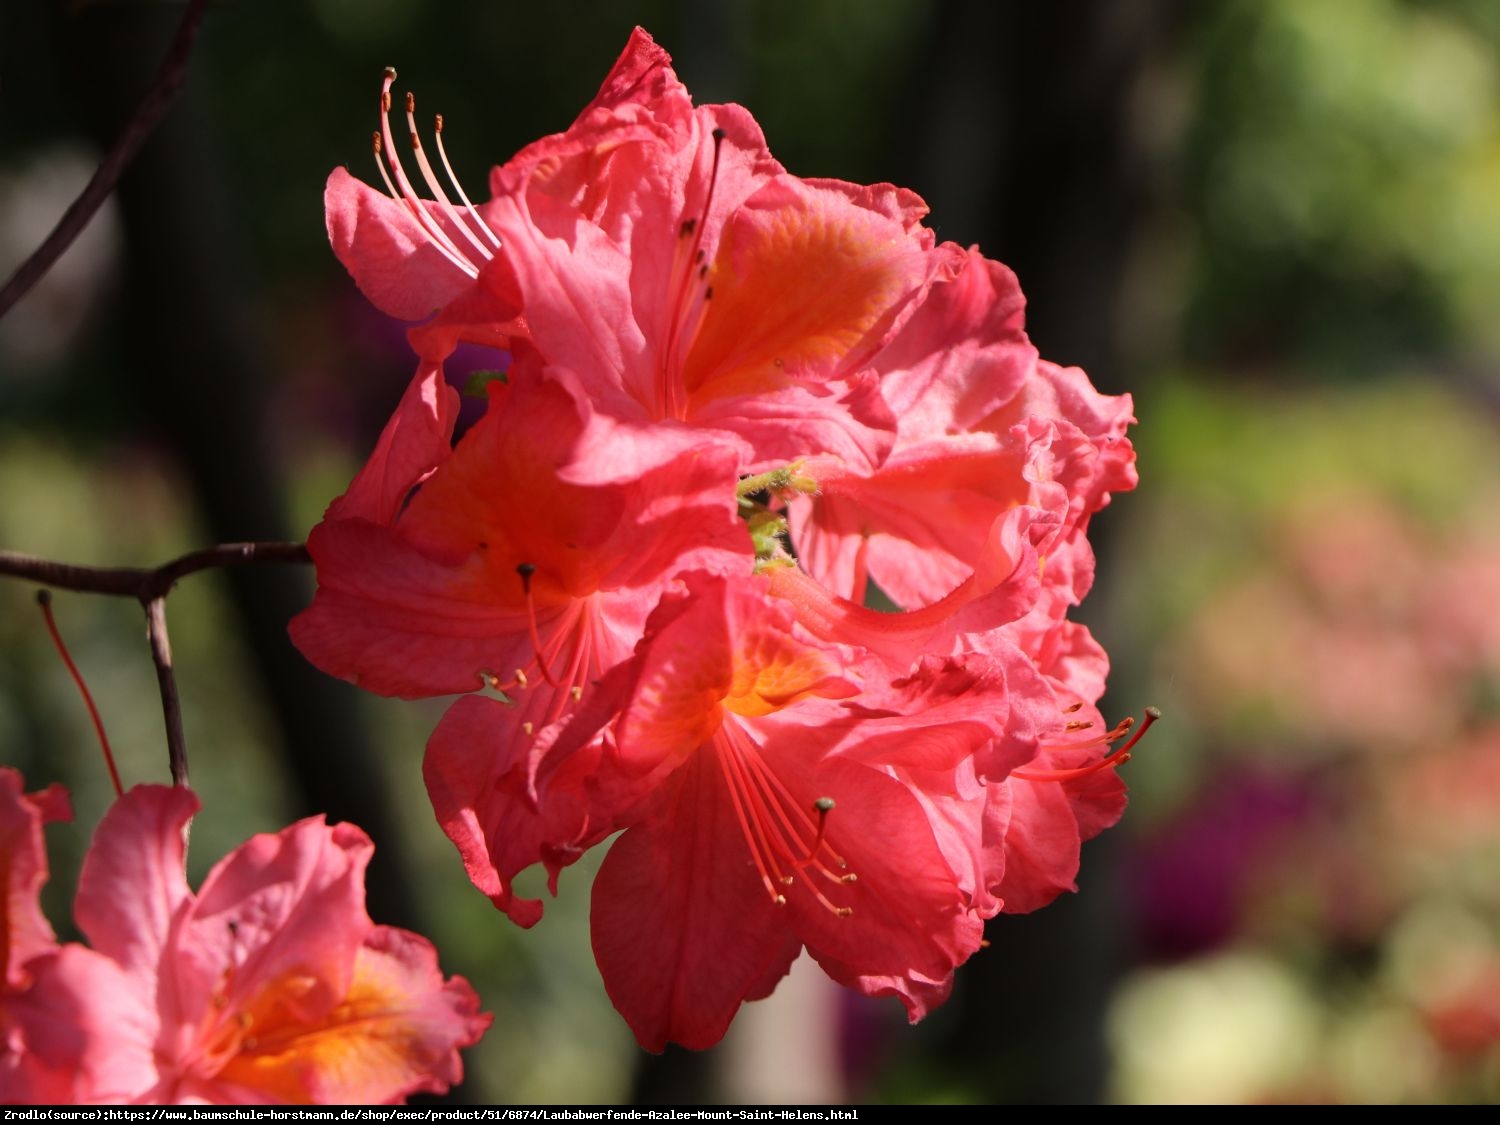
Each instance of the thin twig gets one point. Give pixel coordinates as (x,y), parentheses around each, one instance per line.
(145,584)
(150,586)
(171,707)
(140,126)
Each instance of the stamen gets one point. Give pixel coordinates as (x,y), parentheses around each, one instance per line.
(408,194)
(526,570)
(1110,761)
(751,829)
(777,828)
(437,130)
(432,181)
(377,147)
(44,599)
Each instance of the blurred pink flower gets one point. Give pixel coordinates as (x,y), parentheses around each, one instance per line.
(269,985)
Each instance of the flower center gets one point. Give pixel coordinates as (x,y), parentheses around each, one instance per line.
(569,647)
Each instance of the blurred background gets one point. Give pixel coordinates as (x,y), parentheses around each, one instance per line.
(1275,222)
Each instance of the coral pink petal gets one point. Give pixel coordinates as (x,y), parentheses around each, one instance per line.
(683,930)
(394,263)
(133,882)
(24,930)
(414,442)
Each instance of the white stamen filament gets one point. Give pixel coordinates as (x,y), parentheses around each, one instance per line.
(432,181)
(437,132)
(408,195)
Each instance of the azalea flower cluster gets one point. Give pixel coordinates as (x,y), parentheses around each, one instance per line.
(735,403)
(271,984)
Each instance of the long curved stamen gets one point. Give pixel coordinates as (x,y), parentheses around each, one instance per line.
(1111,761)
(437,133)
(526,570)
(408,194)
(432,181)
(782,837)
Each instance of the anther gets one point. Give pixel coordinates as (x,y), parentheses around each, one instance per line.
(1109,761)
(1074,708)
(527,727)
(407,195)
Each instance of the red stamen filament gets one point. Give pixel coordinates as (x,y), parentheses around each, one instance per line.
(44,599)
(782,837)
(1110,761)
(526,570)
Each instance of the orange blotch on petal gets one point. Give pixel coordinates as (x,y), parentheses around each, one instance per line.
(804,282)
(397,1031)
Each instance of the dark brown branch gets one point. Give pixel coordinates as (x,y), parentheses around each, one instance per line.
(140,126)
(150,587)
(171,707)
(146,584)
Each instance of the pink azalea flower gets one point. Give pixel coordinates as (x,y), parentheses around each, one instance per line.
(659,253)
(271,984)
(984,428)
(34,1057)
(540,543)
(682,312)
(770,794)
(528,559)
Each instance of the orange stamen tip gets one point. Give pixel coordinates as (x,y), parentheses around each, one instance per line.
(376,143)
(520,678)
(528,727)
(779,900)
(1074,708)
(411,102)
(576,692)
(984,943)
(385,101)
(849,878)
(844,911)
(437,123)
